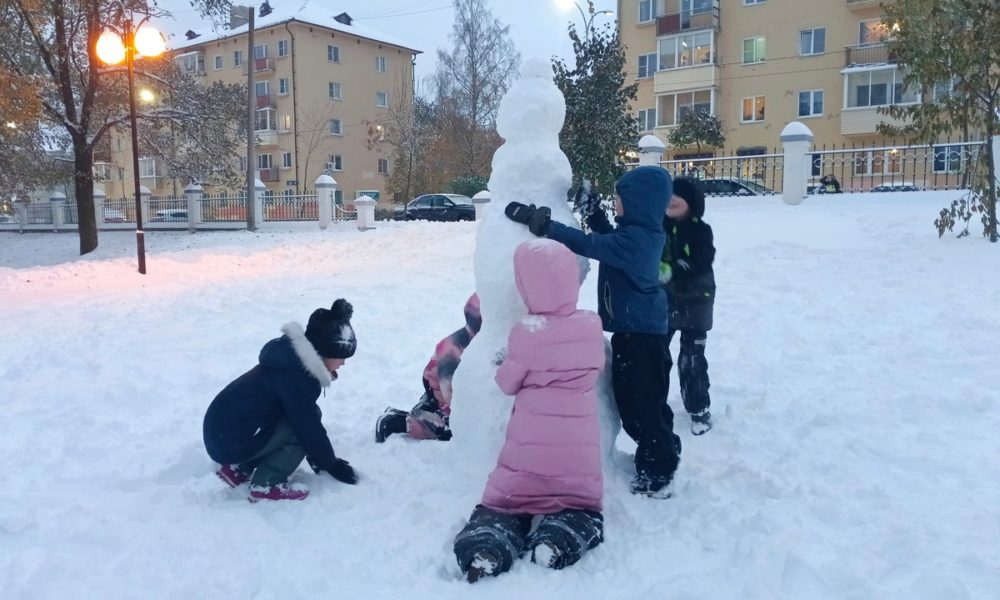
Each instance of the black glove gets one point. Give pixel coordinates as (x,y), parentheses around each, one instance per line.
(537,219)
(342,471)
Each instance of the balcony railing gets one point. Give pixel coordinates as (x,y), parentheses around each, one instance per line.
(265,101)
(269,174)
(262,65)
(877,53)
(688,20)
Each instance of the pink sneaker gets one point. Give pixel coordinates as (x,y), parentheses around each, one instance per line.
(282,491)
(232,475)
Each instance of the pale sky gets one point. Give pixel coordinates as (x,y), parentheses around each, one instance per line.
(537,27)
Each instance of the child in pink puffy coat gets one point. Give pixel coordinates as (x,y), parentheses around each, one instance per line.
(550,463)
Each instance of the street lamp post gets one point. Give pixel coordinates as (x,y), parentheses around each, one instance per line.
(141,40)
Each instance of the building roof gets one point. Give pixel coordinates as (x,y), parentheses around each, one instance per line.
(310,12)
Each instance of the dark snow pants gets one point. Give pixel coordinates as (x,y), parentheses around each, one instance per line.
(506,536)
(276,460)
(640,367)
(692,369)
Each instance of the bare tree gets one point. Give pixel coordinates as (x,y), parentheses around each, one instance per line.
(313,133)
(476,74)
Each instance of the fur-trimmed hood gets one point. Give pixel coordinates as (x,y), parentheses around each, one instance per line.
(294,350)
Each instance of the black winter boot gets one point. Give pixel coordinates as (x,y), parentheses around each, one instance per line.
(392,421)
(701,422)
(483,564)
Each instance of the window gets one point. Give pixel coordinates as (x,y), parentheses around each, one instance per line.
(333,89)
(261,88)
(816,160)
(871,31)
(121,173)
(338,197)
(265,120)
(647,10)
(282,48)
(754,50)
(647,119)
(237,58)
(947,159)
(686,50)
(380,64)
(943,89)
(336,162)
(260,51)
(383,166)
(381,99)
(878,162)
(811,103)
(218,62)
(647,65)
(286,122)
(878,88)
(753,110)
(243,164)
(812,41)
(333,53)
(263,161)
(192,62)
(671,107)
(283,85)
(336,128)
(752,2)
(286,160)
(147,168)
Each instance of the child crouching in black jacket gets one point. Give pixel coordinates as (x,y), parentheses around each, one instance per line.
(264,423)
(687,276)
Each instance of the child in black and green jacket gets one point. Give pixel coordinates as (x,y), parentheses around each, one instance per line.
(686,275)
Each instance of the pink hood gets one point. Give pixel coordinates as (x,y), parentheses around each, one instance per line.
(547,276)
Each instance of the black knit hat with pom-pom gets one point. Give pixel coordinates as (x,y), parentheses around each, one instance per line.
(330,331)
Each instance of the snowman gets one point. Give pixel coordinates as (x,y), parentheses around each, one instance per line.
(529,168)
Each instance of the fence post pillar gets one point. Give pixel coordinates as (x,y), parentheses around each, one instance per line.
(796,139)
(651,149)
(57,203)
(144,195)
(366,212)
(326,188)
(480,200)
(193,193)
(99,198)
(21,208)
(258,202)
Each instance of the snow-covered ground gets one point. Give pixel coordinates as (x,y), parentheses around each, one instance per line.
(856,452)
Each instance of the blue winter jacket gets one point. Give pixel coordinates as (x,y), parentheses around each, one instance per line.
(630,299)
(283,386)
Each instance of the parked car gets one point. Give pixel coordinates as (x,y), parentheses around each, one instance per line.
(173,215)
(720,186)
(898,186)
(113,215)
(437,207)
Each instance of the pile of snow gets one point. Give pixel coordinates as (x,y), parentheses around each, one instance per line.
(855,389)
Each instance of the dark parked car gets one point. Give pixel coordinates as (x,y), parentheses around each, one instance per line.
(176,215)
(438,207)
(899,186)
(733,187)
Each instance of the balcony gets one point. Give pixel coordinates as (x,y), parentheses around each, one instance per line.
(862,55)
(864,120)
(265,101)
(685,79)
(689,20)
(269,174)
(263,65)
(861,4)
(266,137)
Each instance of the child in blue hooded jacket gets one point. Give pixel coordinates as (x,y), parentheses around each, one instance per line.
(631,304)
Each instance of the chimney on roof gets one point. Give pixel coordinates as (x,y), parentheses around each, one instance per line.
(343,18)
(190,34)
(265,9)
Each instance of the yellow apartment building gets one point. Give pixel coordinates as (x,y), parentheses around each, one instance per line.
(760,64)
(319,78)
